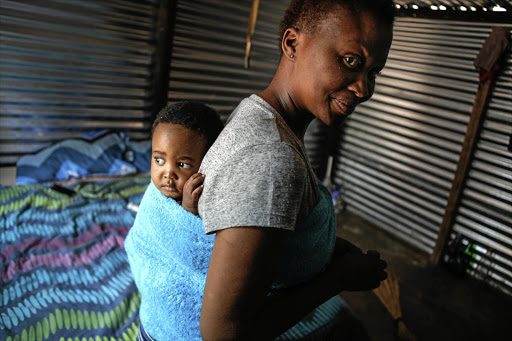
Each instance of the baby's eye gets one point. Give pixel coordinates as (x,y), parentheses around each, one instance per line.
(159,161)
(183,165)
(352,61)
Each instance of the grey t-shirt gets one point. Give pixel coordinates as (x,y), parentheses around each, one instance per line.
(257,172)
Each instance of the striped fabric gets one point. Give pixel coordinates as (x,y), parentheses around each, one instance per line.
(64,274)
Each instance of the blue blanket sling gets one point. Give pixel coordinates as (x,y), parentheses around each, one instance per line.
(169,255)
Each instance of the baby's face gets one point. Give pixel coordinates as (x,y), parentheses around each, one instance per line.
(177,154)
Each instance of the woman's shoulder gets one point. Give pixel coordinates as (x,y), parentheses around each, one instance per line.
(250,124)
(253,116)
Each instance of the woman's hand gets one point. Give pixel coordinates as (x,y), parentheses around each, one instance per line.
(242,267)
(355,270)
(191,192)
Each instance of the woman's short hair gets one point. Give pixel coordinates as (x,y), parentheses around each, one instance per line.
(192,115)
(307,14)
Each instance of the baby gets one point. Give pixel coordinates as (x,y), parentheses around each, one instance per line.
(182,133)
(167,247)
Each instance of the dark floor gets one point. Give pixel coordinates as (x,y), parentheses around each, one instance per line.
(436,304)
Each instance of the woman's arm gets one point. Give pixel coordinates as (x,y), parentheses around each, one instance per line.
(243,265)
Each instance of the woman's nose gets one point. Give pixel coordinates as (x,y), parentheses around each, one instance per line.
(360,88)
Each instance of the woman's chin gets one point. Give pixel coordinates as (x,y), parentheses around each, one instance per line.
(337,121)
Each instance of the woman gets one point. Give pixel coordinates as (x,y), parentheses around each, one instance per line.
(269,268)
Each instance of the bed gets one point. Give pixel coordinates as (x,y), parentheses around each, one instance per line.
(64,274)
(64,271)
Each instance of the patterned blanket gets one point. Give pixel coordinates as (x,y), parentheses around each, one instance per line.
(64,274)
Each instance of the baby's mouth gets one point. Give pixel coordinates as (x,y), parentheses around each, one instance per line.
(169,188)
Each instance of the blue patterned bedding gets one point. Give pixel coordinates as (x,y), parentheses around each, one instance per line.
(104,154)
(63,269)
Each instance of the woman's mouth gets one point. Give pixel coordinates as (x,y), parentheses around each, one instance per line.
(344,108)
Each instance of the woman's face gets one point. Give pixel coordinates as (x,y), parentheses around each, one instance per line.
(335,68)
(177,154)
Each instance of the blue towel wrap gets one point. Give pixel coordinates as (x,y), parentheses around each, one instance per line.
(169,255)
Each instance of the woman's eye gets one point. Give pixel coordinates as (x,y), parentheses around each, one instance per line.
(352,62)
(183,165)
(159,161)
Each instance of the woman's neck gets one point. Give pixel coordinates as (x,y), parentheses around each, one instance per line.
(280,99)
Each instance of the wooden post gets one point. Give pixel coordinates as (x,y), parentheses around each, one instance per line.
(166,17)
(250,31)
(465,158)
(496,49)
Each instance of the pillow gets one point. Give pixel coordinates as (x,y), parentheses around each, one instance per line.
(75,158)
(139,154)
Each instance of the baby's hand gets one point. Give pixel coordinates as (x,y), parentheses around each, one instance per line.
(191,192)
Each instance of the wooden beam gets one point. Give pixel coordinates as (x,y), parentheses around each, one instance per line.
(488,62)
(164,26)
(251,25)
(472,133)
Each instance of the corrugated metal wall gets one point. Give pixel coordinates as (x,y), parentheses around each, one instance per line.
(209,47)
(398,153)
(454,3)
(68,68)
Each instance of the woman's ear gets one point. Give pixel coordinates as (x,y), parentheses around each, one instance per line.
(289,43)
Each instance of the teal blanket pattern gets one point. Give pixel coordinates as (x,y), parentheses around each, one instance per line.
(169,255)
(64,274)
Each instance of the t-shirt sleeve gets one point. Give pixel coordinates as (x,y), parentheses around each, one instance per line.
(261,185)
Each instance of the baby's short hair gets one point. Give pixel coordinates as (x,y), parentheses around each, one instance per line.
(192,115)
